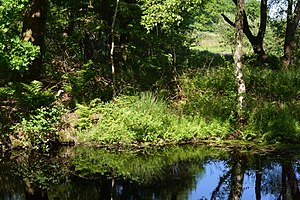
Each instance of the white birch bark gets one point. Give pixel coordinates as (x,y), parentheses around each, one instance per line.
(238,59)
(112,49)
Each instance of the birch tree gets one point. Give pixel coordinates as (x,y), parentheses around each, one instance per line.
(238,60)
(112,49)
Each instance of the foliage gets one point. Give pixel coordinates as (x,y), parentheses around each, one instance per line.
(21,55)
(210,90)
(19,100)
(134,120)
(208,16)
(152,55)
(15,54)
(272,109)
(39,129)
(145,167)
(167,14)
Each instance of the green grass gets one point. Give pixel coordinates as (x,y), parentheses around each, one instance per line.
(207,111)
(273,108)
(142,120)
(213,42)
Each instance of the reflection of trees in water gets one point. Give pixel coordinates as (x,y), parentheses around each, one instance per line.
(272,177)
(237,175)
(232,181)
(175,185)
(289,182)
(32,192)
(172,175)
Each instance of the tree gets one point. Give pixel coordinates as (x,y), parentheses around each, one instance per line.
(238,60)
(237,175)
(256,41)
(112,49)
(292,21)
(169,20)
(34,27)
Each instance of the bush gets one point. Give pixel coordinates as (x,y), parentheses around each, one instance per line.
(38,130)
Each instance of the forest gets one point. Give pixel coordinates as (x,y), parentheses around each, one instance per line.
(148,72)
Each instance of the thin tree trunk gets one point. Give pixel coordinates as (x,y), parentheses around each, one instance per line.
(291,27)
(34,27)
(238,59)
(258,177)
(179,92)
(112,49)
(283,183)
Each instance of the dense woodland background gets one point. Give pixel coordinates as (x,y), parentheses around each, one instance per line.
(138,71)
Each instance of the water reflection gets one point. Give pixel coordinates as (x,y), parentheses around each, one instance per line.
(190,172)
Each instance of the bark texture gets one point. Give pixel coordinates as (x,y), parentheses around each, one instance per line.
(237,177)
(256,41)
(238,59)
(112,49)
(34,27)
(293,18)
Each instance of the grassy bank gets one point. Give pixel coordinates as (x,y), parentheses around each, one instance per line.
(142,120)
(206,111)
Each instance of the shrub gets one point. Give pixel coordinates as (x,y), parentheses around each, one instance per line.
(39,129)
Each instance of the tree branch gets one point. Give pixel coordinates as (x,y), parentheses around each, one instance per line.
(221,181)
(297,13)
(263,19)
(228,20)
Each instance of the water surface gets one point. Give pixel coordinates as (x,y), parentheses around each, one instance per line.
(186,172)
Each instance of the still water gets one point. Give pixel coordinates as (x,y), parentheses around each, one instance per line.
(182,173)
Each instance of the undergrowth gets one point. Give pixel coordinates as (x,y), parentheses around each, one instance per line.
(272,110)
(141,120)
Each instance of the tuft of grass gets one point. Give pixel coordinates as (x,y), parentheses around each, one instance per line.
(142,120)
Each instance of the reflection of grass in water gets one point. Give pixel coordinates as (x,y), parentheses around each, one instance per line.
(143,167)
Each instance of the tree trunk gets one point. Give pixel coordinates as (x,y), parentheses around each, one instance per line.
(292,180)
(112,49)
(237,177)
(256,41)
(34,27)
(238,60)
(283,183)
(291,27)
(258,177)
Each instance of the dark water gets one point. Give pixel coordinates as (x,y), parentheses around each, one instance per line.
(189,172)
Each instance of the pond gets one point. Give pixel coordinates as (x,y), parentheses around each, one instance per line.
(178,172)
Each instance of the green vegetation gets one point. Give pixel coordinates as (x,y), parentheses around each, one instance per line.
(99,173)
(141,119)
(140,73)
(143,167)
